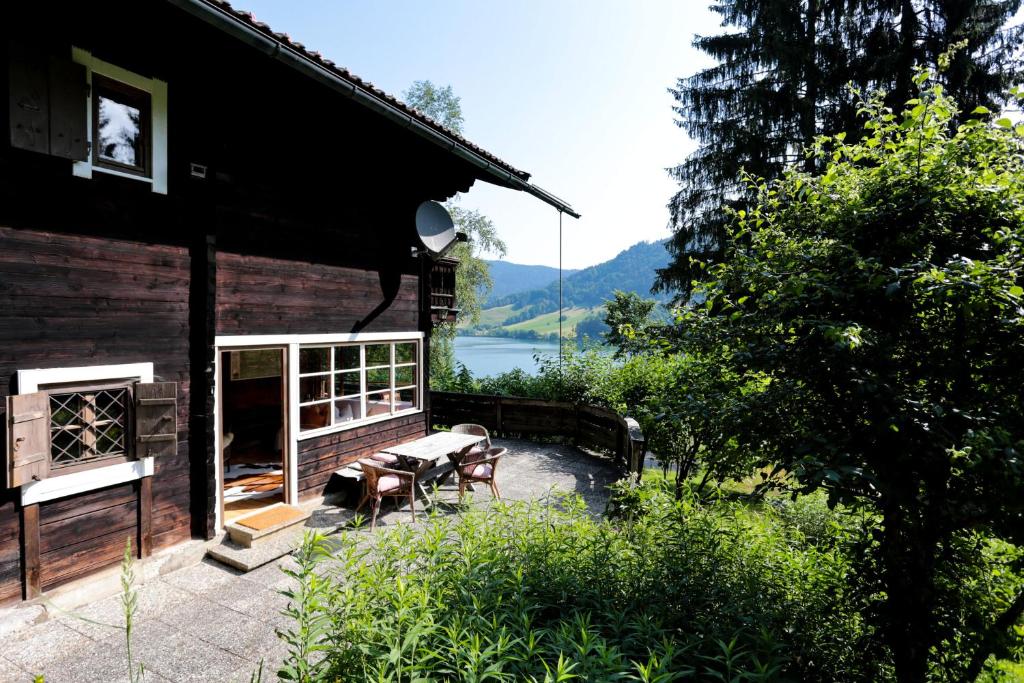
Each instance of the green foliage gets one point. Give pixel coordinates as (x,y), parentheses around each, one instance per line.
(472,278)
(780,79)
(309,601)
(129,608)
(629,319)
(669,590)
(870,319)
(439,103)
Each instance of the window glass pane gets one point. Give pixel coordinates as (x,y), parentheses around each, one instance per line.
(405,399)
(405,353)
(314,417)
(314,360)
(120,131)
(314,388)
(347,409)
(379,378)
(346,383)
(378,403)
(378,354)
(346,357)
(405,376)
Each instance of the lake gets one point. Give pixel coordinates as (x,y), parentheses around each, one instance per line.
(494,355)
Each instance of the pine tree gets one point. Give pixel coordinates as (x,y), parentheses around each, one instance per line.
(783,78)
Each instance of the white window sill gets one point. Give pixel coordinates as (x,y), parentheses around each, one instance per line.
(334,429)
(86,480)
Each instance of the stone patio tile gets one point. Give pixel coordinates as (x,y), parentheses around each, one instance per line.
(106,660)
(183,658)
(270,575)
(203,577)
(34,648)
(247,637)
(158,598)
(12,673)
(99,620)
(253,599)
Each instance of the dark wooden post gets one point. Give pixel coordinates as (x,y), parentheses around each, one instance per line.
(31,565)
(497,415)
(145,541)
(202,392)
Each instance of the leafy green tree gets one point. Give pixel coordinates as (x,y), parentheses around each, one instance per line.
(472,277)
(781,78)
(872,316)
(629,318)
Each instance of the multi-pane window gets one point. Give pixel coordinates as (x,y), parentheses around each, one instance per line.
(347,383)
(88,425)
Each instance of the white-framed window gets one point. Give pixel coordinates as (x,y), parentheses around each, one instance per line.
(126,123)
(343,385)
(73,404)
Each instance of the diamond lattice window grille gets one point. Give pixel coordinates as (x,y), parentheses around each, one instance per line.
(88,425)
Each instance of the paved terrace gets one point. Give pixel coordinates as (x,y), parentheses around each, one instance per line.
(207,622)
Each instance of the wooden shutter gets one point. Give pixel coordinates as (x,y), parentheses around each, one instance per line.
(68,105)
(29,100)
(156,419)
(28,438)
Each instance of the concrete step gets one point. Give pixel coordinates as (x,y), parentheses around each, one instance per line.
(263,526)
(325,519)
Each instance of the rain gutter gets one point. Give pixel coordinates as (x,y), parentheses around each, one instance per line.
(234,26)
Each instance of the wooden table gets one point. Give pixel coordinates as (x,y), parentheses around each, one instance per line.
(429,450)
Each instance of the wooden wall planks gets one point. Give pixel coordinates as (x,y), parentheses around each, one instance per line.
(76,301)
(320,457)
(263,295)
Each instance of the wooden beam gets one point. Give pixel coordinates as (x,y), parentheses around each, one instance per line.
(145,541)
(31,567)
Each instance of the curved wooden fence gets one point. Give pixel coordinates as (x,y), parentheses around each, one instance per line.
(588,426)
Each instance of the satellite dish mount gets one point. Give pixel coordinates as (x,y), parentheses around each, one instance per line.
(436,230)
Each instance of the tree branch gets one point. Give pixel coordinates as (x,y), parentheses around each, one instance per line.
(987,644)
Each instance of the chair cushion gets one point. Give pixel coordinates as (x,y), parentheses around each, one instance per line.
(384,457)
(388,482)
(482,471)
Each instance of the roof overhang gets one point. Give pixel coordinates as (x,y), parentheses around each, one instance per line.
(229,22)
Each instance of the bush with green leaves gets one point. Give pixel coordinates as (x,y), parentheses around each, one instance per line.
(872,319)
(667,590)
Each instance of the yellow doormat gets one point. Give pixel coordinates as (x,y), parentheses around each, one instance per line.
(272,517)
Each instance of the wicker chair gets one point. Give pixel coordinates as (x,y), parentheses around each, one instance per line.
(480,468)
(385,482)
(476,449)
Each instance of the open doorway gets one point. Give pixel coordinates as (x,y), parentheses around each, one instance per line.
(253,430)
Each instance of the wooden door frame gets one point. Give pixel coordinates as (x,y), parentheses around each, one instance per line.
(289,453)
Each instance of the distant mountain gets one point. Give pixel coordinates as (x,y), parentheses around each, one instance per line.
(633,270)
(512,278)
(534,313)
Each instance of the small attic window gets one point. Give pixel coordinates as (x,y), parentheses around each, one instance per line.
(127,123)
(121,119)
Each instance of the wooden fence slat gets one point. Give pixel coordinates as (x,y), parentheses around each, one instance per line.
(589,426)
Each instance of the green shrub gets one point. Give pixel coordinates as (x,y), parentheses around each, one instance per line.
(667,590)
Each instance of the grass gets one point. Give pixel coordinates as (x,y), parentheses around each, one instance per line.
(494,316)
(548,322)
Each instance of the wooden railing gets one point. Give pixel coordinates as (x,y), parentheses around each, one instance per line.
(588,426)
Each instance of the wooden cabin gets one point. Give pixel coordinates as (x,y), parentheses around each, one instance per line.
(212,291)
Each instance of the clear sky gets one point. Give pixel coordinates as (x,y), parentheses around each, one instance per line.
(573,91)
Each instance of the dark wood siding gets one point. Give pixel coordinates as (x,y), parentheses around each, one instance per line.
(80,534)
(74,301)
(321,456)
(262,295)
(10,549)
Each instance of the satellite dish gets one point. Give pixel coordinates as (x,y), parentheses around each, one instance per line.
(434,227)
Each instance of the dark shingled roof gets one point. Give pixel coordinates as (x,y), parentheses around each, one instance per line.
(347,75)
